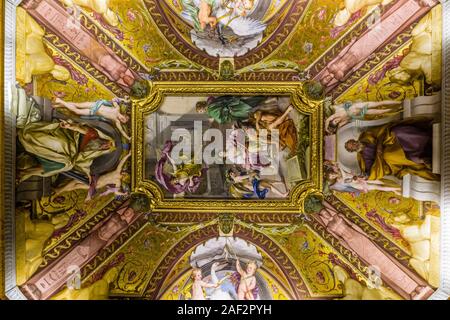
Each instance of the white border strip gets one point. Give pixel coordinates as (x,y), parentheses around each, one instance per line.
(443,292)
(12,291)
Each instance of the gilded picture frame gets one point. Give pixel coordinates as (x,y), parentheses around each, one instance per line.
(299,99)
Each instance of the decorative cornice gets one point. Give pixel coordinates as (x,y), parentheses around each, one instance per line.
(8,144)
(262,218)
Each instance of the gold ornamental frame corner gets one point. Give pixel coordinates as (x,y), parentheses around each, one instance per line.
(299,99)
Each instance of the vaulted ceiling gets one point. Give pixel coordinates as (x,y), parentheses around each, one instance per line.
(353,49)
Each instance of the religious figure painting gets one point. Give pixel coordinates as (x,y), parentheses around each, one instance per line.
(242,147)
(71,146)
(225,28)
(220,272)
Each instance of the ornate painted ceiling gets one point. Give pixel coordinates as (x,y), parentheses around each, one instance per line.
(103,91)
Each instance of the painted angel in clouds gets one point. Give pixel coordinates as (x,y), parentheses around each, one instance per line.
(224,27)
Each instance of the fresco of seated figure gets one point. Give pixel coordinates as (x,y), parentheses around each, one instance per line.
(395,149)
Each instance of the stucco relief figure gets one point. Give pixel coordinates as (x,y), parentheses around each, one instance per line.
(349,111)
(36,234)
(102,7)
(397,149)
(354,290)
(35,59)
(421,237)
(354,239)
(424,56)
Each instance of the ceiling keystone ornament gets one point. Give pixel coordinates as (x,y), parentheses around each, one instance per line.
(226,224)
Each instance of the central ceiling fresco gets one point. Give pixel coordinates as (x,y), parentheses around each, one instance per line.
(341,205)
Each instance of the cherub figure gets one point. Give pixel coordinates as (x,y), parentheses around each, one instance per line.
(199,284)
(109,110)
(205,15)
(222,13)
(242,7)
(248,280)
(342,181)
(348,111)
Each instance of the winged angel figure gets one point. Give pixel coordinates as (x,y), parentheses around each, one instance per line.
(225,28)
